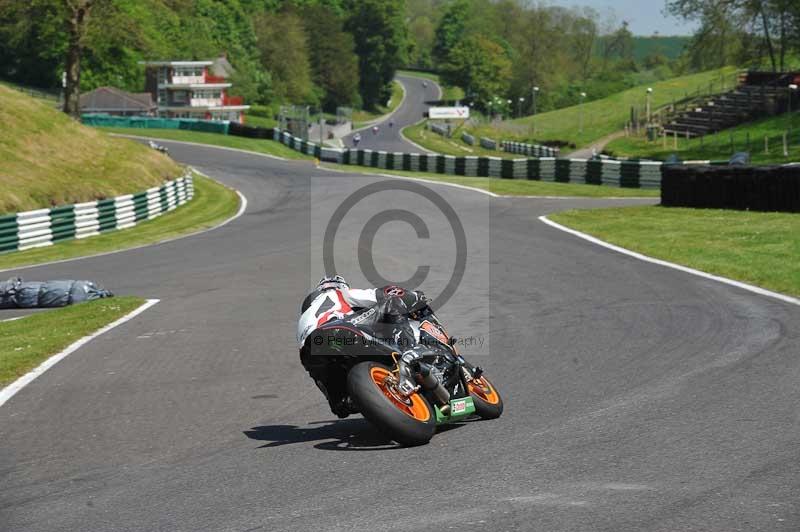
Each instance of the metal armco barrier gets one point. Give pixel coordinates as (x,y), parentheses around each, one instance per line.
(629,174)
(43,227)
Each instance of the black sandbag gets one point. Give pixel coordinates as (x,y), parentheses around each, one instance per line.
(17,293)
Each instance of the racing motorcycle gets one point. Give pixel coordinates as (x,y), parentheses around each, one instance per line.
(394,363)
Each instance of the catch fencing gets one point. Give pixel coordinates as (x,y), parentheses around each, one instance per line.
(44,227)
(149,122)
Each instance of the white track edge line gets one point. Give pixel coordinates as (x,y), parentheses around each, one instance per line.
(122,135)
(738,284)
(9,391)
(242,208)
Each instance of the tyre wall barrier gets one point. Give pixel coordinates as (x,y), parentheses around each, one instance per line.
(631,174)
(43,227)
(757,188)
(488,143)
(468,139)
(439,129)
(531,150)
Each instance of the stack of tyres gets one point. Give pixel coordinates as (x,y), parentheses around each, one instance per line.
(770,199)
(507,169)
(483,166)
(671,182)
(534,169)
(629,174)
(790,176)
(594,172)
(738,194)
(562,170)
(758,193)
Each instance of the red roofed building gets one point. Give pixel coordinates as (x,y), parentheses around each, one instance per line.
(193,89)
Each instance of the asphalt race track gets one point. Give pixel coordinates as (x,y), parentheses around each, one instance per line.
(413,109)
(637,397)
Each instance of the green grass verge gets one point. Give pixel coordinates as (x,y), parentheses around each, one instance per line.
(720,146)
(450,146)
(212,204)
(362,117)
(513,187)
(448,93)
(605,116)
(48,159)
(757,248)
(26,343)
(268,147)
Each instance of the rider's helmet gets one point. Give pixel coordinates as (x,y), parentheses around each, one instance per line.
(332,283)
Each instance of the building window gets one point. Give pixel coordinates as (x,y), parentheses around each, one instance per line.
(179,96)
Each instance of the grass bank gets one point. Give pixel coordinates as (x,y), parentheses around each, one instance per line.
(513,187)
(720,146)
(268,147)
(48,159)
(212,204)
(601,117)
(26,343)
(450,146)
(757,248)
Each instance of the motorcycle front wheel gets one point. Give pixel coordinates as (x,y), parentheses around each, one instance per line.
(407,420)
(488,403)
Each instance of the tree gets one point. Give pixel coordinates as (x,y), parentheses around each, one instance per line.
(764,17)
(62,25)
(381,42)
(480,66)
(451,29)
(283,45)
(334,64)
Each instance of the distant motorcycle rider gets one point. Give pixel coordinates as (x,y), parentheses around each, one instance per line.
(333,299)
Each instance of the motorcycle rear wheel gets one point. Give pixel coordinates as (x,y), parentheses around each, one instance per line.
(408,421)
(488,403)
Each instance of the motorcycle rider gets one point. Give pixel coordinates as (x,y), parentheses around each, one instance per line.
(333,299)
(356,139)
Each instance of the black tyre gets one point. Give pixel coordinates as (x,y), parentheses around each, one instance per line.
(409,421)
(488,403)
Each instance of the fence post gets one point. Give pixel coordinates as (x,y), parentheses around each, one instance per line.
(732,148)
(785,146)
(675,139)
(766,145)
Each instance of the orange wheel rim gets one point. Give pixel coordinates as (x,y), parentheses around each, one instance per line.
(484,390)
(413,406)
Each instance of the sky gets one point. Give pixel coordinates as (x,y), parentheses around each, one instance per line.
(644,16)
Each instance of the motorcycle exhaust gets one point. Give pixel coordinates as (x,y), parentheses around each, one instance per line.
(430,383)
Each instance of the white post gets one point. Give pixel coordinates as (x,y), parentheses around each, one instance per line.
(675,139)
(766,145)
(785,146)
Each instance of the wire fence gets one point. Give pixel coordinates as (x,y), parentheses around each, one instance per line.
(772,144)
